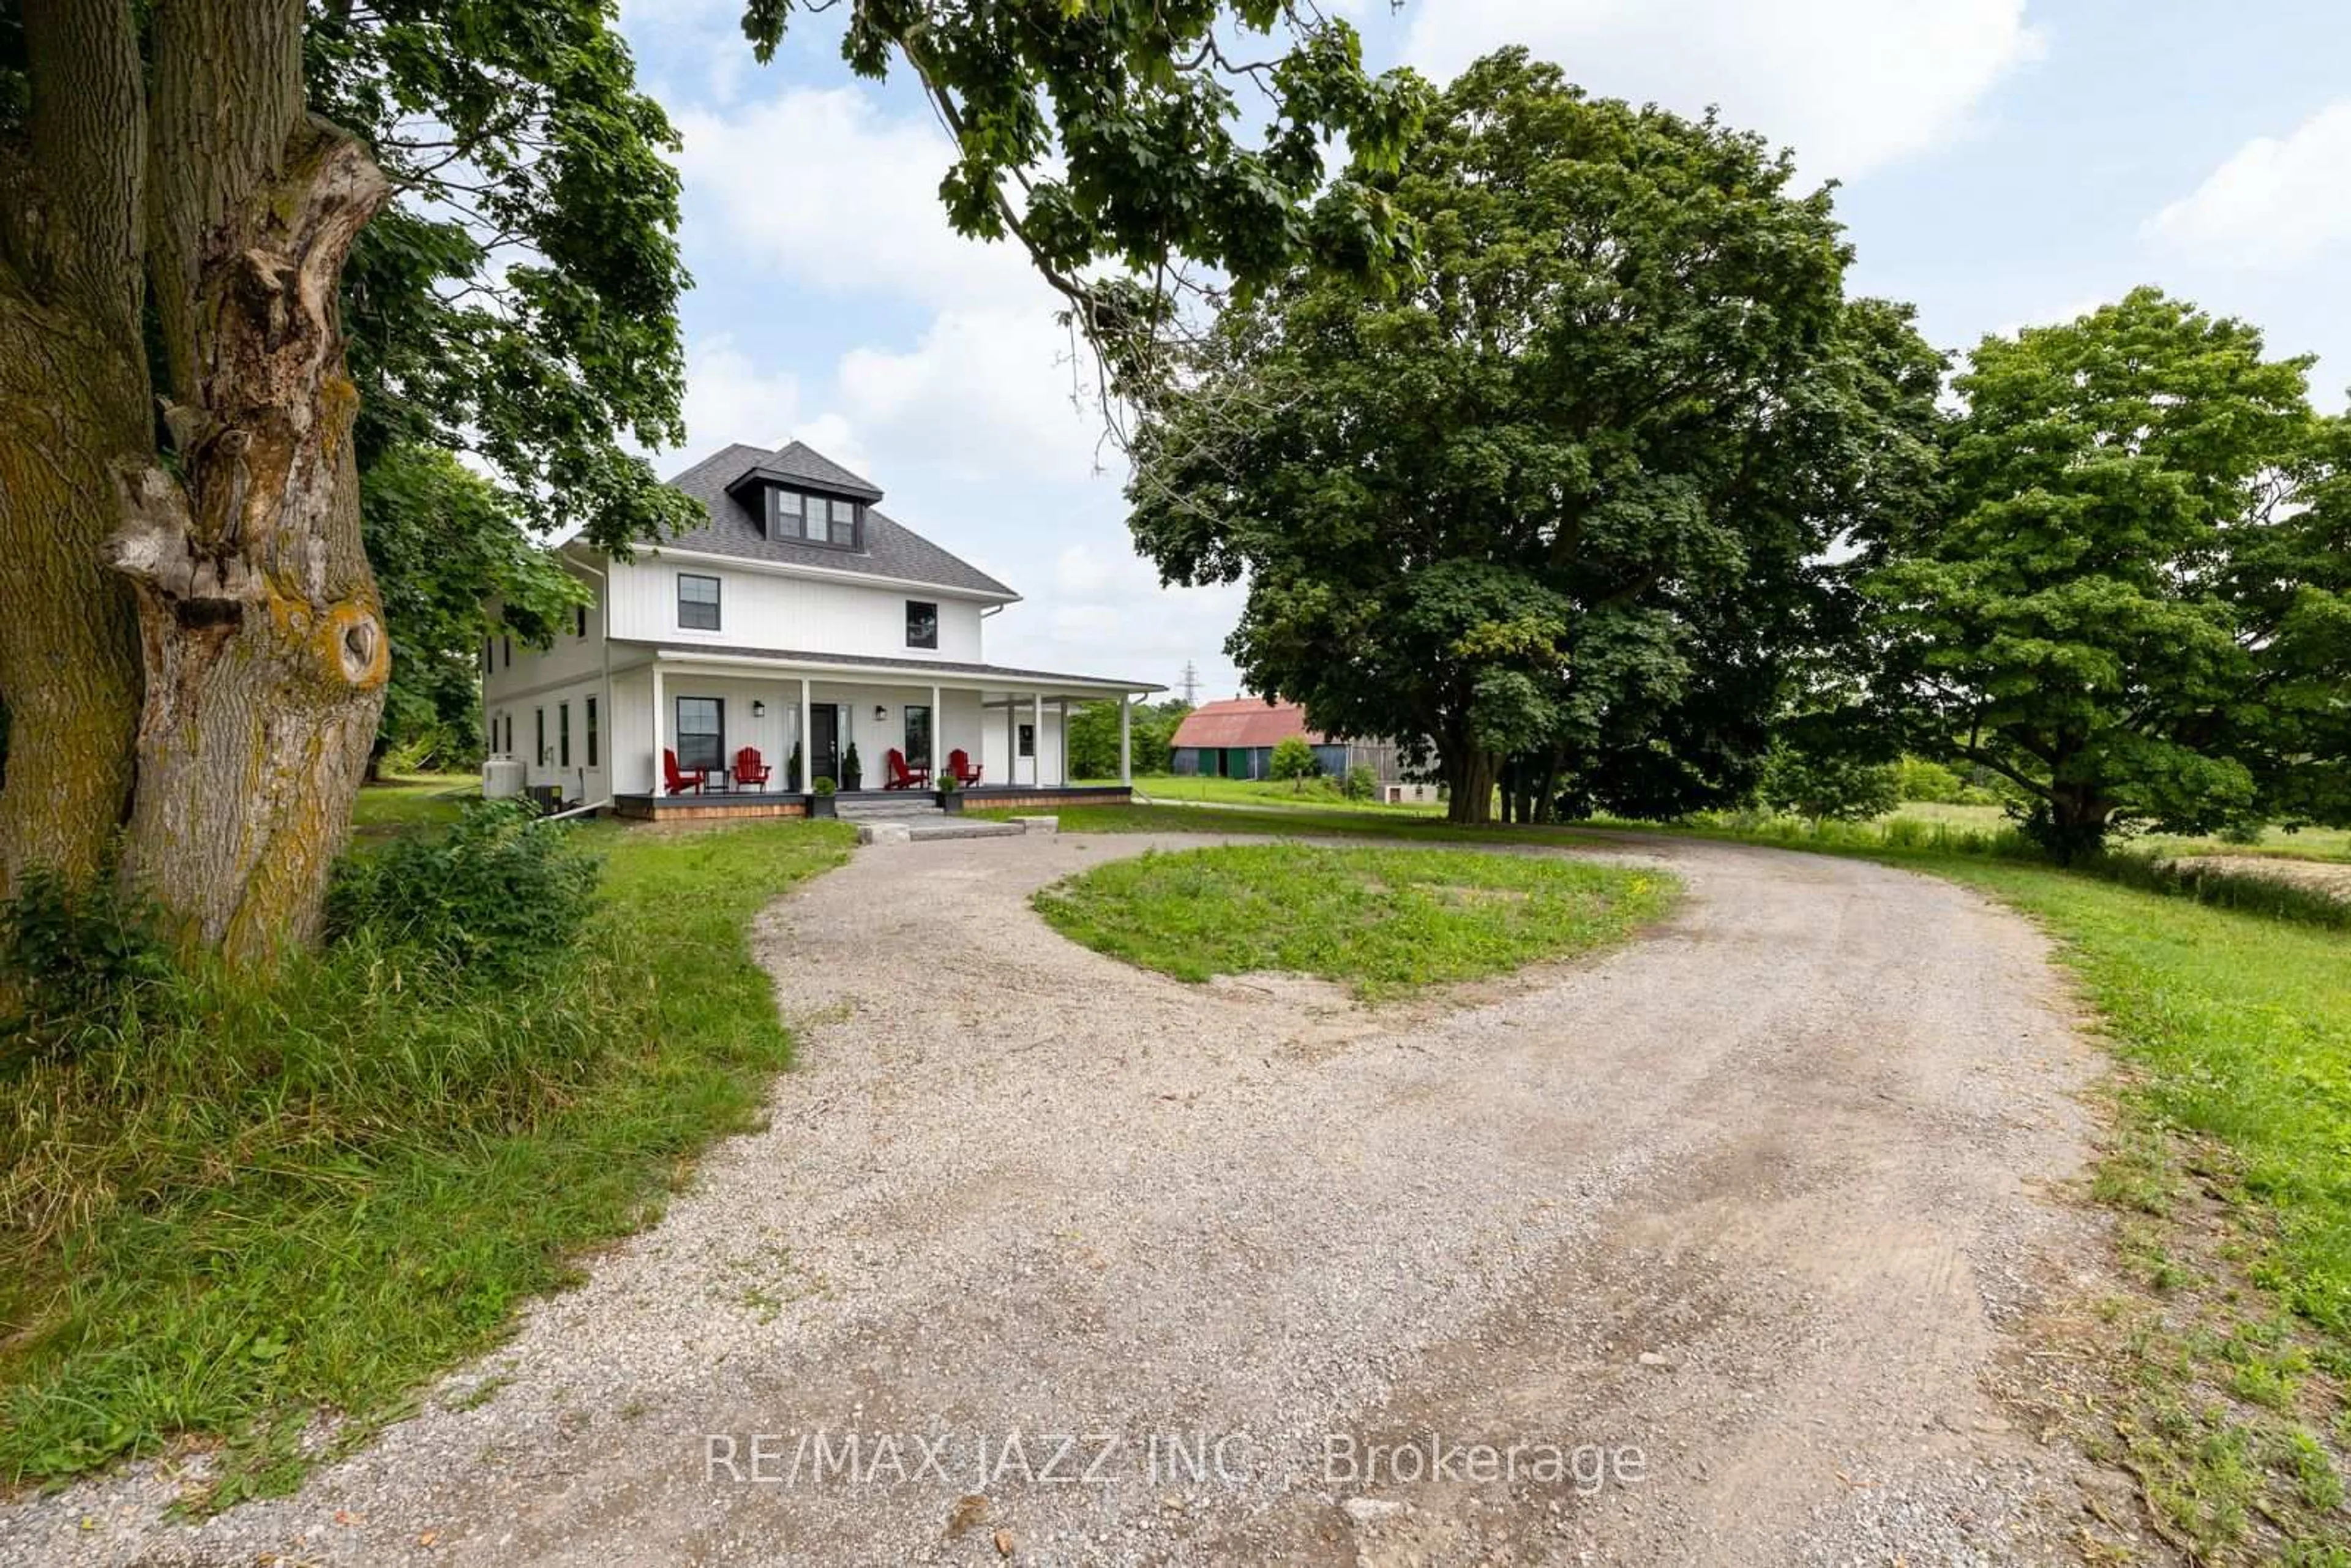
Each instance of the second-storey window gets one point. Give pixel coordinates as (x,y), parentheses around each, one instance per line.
(591,732)
(697,602)
(922,625)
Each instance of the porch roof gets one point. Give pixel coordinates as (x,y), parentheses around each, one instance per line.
(848,666)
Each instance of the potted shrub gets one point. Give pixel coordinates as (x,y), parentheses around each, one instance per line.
(950,794)
(852,772)
(820,802)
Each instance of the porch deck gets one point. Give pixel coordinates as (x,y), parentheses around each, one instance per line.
(748,803)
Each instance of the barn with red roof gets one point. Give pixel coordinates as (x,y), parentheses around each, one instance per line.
(1235,740)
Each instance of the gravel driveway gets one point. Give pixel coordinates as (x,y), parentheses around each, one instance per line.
(1723,1233)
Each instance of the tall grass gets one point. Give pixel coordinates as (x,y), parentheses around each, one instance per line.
(244,1204)
(2141,870)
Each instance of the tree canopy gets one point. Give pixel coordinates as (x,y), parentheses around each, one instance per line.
(1558,502)
(2131,600)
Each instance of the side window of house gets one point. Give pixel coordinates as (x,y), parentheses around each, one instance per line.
(922,625)
(844,523)
(579,621)
(540,714)
(591,732)
(697,602)
(563,733)
(505,645)
(1028,740)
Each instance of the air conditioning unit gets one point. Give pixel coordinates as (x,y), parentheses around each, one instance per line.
(502,777)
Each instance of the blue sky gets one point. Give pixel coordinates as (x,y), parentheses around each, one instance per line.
(1999,162)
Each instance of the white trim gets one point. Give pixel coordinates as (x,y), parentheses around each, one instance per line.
(903,675)
(830,574)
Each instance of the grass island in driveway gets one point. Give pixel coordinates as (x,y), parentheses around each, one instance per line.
(1382,922)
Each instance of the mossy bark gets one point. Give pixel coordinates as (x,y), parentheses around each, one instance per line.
(227,551)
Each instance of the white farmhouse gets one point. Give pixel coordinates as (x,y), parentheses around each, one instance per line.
(798,622)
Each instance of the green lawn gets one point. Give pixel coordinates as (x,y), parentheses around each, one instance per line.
(260,1201)
(402,803)
(1313,794)
(1384,922)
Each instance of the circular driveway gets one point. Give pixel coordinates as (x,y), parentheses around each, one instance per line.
(1704,1250)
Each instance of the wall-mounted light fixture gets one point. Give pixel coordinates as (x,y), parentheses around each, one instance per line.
(880,714)
(758,708)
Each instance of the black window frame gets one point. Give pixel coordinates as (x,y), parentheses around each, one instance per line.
(541,759)
(913,605)
(563,735)
(507,643)
(930,736)
(591,732)
(715,604)
(839,532)
(717,738)
(579,621)
(1025,740)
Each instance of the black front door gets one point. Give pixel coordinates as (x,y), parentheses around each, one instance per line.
(824,742)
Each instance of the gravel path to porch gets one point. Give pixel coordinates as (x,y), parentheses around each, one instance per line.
(1742,1217)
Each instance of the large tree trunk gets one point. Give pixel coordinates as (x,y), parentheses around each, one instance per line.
(74,403)
(263,638)
(260,640)
(1469,774)
(72,406)
(260,632)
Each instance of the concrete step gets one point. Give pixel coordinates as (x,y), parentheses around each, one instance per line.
(899,830)
(869,811)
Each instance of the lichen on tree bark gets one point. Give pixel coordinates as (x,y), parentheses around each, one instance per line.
(261,650)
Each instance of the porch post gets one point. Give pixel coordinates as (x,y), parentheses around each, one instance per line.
(939,757)
(1037,730)
(661,729)
(1011,738)
(807,737)
(1125,745)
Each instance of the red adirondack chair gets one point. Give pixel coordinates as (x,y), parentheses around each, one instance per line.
(960,764)
(749,769)
(681,779)
(901,777)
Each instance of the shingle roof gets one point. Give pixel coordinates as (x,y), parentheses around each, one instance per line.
(800,462)
(892,550)
(1242,722)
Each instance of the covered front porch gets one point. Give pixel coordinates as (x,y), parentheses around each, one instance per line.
(757,732)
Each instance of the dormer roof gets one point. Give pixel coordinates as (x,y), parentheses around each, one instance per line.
(802,466)
(731,483)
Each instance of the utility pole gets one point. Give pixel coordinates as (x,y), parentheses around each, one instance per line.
(1191,685)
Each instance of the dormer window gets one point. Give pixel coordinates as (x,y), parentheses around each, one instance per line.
(811,518)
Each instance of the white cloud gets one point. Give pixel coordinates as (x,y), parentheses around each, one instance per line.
(2273,205)
(1850,84)
(827,188)
(986,394)
(1105,612)
(729,398)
